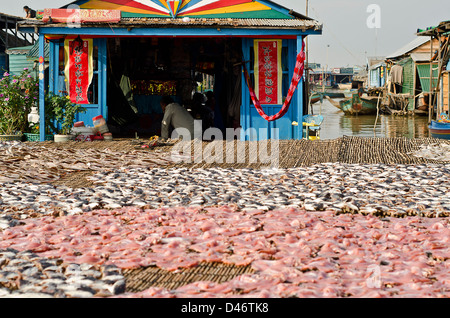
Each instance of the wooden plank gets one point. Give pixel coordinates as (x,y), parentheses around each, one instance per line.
(446,88)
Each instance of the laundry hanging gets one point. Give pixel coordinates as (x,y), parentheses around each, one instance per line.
(298,73)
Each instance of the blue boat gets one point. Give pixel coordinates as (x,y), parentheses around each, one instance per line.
(439,129)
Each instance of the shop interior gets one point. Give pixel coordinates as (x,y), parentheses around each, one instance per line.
(193,71)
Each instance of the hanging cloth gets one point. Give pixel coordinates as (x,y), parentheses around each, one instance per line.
(298,73)
(125,86)
(397,74)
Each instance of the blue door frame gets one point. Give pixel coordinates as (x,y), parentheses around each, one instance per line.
(254,127)
(57,79)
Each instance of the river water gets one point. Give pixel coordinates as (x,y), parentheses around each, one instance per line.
(336,124)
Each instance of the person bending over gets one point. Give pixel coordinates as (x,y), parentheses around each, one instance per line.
(177,117)
(30,12)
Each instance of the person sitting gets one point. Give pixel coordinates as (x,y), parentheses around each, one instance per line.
(30,12)
(177,117)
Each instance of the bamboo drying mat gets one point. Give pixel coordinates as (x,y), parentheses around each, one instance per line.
(140,279)
(298,153)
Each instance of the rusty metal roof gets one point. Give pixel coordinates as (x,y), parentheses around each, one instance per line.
(285,24)
(252,23)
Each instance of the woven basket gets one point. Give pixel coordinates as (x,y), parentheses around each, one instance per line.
(36,137)
(11,137)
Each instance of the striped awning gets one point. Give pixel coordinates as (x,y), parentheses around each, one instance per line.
(191,8)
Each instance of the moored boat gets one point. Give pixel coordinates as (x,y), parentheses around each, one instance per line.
(357,105)
(331,94)
(439,129)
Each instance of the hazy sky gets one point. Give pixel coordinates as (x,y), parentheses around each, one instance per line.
(345,30)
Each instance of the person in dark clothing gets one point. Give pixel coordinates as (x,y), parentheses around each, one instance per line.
(202,112)
(30,12)
(175,116)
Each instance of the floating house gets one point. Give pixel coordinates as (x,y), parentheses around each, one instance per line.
(11,38)
(23,57)
(377,70)
(118,58)
(334,78)
(440,34)
(414,78)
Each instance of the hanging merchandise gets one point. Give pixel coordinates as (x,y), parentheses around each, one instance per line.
(268,71)
(79,68)
(154,87)
(298,74)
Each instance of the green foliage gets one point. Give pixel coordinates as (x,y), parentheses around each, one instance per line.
(60,113)
(18,94)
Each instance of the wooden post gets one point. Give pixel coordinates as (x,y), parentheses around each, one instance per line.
(6,43)
(299,99)
(430,107)
(308,97)
(41,87)
(438,85)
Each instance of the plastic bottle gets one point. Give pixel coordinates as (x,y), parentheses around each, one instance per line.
(100,124)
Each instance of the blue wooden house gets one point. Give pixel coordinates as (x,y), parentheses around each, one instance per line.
(143,50)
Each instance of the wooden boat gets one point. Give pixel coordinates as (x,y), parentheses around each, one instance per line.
(315,97)
(356,105)
(329,94)
(315,100)
(440,128)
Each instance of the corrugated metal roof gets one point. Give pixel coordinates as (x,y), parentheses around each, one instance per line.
(34,51)
(278,23)
(19,50)
(298,24)
(424,75)
(408,47)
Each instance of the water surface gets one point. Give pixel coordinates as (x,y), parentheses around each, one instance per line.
(336,124)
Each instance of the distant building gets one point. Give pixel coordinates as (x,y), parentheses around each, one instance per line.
(442,58)
(414,60)
(334,78)
(10,38)
(377,72)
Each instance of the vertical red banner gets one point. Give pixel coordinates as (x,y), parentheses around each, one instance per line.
(79,73)
(268,72)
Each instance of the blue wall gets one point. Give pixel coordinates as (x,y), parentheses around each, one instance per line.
(250,117)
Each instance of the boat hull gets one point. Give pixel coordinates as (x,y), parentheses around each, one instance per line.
(359,106)
(329,94)
(439,130)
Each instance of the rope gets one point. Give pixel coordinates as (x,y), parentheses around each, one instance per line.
(298,73)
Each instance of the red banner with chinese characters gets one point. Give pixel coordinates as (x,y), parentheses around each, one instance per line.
(268,71)
(76,16)
(78,69)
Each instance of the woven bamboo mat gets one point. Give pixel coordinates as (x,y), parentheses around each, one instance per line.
(140,279)
(298,153)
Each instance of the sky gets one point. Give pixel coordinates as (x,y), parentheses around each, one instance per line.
(353,30)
